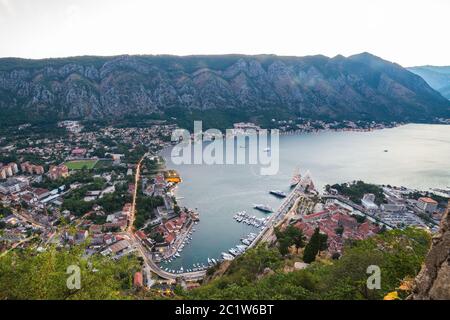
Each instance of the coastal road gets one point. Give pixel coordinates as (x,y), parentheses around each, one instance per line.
(147,256)
(197,275)
(137,177)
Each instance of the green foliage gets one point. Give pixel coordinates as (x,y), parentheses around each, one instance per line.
(398,253)
(356,190)
(339,230)
(289,237)
(77,206)
(81,164)
(157,237)
(113,202)
(359,218)
(145,209)
(4,211)
(318,242)
(31,275)
(82,176)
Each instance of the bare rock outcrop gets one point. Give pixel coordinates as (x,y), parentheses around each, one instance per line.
(433,281)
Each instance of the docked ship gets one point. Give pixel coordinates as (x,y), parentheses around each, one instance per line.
(278,193)
(295,178)
(262,207)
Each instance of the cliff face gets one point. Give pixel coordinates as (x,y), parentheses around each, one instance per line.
(433,281)
(358,87)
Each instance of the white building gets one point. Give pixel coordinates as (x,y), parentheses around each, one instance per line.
(368,201)
(427,204)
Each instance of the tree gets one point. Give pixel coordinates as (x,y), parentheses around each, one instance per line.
(290,236)
(299,240)
(313,247)
(339,230)
(323,242)
(283,246)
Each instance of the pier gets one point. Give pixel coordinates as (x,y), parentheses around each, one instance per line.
(278,215)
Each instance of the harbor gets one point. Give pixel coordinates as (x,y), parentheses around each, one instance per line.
(206,186)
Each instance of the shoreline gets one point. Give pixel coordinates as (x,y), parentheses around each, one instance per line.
(165,154)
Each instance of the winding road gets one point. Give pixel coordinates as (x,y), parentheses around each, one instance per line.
(146,255)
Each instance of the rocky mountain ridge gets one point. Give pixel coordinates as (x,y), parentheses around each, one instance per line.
(358,87)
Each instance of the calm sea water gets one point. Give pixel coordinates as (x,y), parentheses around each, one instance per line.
(418,156)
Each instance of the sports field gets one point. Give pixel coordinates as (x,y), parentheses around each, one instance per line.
(80,164)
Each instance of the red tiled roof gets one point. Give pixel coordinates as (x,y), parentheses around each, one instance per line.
(138,279)
(427,200)
(169,238)
(141,235)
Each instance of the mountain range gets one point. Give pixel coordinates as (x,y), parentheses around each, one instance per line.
(437,77)
(358,87)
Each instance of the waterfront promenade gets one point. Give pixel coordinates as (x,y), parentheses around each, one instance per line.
(278,215)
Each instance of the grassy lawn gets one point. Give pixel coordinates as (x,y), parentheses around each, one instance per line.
(103,164)
(79,164)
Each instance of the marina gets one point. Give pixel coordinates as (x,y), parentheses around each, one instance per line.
(204,186)
(243,217)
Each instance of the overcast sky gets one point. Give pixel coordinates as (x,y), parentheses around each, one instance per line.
(409,32)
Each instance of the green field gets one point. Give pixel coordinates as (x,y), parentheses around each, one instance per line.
(80,164)
(101,164)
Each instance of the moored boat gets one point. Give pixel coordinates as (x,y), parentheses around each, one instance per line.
(278,193)
(262,207)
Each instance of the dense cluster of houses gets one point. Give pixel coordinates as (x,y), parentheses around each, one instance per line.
(338,224)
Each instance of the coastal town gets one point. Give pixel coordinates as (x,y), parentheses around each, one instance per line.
(108,188)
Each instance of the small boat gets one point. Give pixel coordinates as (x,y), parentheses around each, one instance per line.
(227,256)
(278,193)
